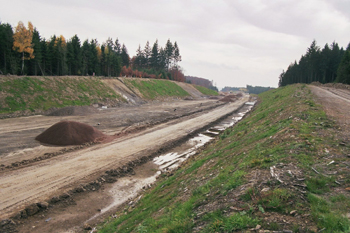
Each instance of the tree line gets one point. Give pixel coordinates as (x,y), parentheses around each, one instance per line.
(24,52)
(201,82)
(326,65)
(257,89)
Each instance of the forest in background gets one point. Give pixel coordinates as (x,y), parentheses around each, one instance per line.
(24,52)
(250,89)
(327,65)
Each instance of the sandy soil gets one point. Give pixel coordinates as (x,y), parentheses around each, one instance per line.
(162,123)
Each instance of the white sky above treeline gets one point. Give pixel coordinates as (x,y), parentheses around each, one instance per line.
(232,42)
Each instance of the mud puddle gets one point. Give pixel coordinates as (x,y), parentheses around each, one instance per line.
(126,189)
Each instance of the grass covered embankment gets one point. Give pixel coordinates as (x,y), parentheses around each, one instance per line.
(260,174)
(155,88)
(43,93)
(206,91)
(30,95)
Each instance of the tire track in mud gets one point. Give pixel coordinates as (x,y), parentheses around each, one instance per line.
(339,93)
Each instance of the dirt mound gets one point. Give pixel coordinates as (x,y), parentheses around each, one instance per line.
(229,98)
(66,133)
(73,111)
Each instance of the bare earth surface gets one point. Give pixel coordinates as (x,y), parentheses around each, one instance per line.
(143,130)
(336,103)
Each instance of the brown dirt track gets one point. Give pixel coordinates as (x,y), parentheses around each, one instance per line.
(336,103)
(143,131)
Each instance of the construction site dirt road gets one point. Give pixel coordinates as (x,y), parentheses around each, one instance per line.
(28,177)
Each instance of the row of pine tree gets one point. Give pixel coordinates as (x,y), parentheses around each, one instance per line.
(327,65)
(24,52)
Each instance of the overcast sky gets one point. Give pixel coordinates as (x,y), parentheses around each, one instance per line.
(232,42)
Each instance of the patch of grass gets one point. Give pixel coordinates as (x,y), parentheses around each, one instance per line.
(327,219)
(220,223)
(276,200)
(287,129)
(320,184)
(206,91)
(154,88)
(33,93)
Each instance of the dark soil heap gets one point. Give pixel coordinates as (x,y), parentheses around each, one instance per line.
(73,111)
(231,98)
(66,133)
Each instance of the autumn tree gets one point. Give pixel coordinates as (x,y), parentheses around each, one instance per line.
(23,41)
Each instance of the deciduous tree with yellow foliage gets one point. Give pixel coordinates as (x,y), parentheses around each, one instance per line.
(22,41)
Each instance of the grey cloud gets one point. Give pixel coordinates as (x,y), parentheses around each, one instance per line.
(231,42)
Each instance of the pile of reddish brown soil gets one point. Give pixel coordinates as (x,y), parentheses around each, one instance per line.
(66,133)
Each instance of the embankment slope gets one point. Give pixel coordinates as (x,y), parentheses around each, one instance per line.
(36,95)
(283,168)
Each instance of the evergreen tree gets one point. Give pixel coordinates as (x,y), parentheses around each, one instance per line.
(343,73)
(51,56)
(117,65)
(139,59)
(85,55)
(162,60)
(103,60)
(6,55)
(117,47)
(325,64)
(177,56)
(61,50)
(147,55)
(109,57)
(125,58)
(335,59)
(44,53)
(36,62)
(313,59)
(169,51)
(74,56)
(93,67)
(154,59)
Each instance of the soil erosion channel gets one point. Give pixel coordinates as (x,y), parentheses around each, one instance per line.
(41,180)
